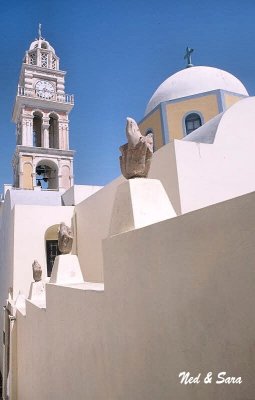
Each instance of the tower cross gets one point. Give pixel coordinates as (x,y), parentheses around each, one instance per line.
(188,56)
(40,31)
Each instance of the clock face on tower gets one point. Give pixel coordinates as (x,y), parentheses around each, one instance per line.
(44,89)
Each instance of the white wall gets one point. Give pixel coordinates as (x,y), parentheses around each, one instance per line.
(178,297)
(177,267)
(196,175)
(78,193)
(164,168)
(92,220)
(6,256)
(37,196)
(31,223)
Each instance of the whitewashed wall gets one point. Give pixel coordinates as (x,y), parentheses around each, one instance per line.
(31,224)
(196,175)
(178,297)
(92,220)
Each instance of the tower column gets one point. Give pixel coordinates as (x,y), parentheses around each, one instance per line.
(45,132)
(63,129)
(67,136)
(27,131)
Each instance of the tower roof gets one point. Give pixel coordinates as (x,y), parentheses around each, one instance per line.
(195,80)
(41,53)
(41,44)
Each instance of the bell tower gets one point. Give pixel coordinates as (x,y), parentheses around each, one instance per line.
(42,157)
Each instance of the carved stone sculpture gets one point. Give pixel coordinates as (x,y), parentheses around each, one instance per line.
(37,271)
(65,239)
(136,154)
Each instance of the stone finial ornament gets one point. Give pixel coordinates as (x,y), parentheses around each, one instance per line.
(136,154)
(65,238)
(37,271)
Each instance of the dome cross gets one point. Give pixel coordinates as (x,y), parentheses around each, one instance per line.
(188,57)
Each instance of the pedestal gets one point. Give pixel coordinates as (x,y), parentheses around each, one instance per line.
(66,270)
(139,202)
(37,293)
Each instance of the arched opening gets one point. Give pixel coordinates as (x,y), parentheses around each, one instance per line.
(47,175)
(192,122)
(37,130)
(44,45)
(53,132)
(51,246)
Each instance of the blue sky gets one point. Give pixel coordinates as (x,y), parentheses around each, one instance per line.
(116,53)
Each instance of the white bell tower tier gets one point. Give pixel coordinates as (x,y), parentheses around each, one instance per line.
(42,157)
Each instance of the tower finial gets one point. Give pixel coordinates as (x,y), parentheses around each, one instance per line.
(188,57)
(40,31)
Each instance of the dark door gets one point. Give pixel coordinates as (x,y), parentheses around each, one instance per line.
(52,251)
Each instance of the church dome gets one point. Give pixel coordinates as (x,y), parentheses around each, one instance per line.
(195,80)
(41,44)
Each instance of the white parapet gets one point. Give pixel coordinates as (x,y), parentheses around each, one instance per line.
(66,270)
(139,202)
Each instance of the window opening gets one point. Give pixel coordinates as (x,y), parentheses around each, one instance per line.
(44,60)
(54,63)
(52,252)
(192,122)
(32,59)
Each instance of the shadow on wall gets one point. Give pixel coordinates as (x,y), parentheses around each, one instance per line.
(1,385)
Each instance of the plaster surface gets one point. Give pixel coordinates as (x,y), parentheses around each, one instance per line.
(29,241)
(139,202)
(92,220)
(197,173)
(179,301)
(66,269)
(37,294)
(77,193)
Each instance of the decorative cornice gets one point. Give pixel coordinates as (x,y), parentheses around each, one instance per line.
(44,151)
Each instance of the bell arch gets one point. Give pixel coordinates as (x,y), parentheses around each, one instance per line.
(37,128)
(47,175)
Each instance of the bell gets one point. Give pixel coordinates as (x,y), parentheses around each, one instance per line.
(39,170)
(38,183)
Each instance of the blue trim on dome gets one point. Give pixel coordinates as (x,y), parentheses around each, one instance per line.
(164,124)
(215,92)
(221,101)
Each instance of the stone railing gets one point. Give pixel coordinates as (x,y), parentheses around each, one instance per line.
(62,98)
